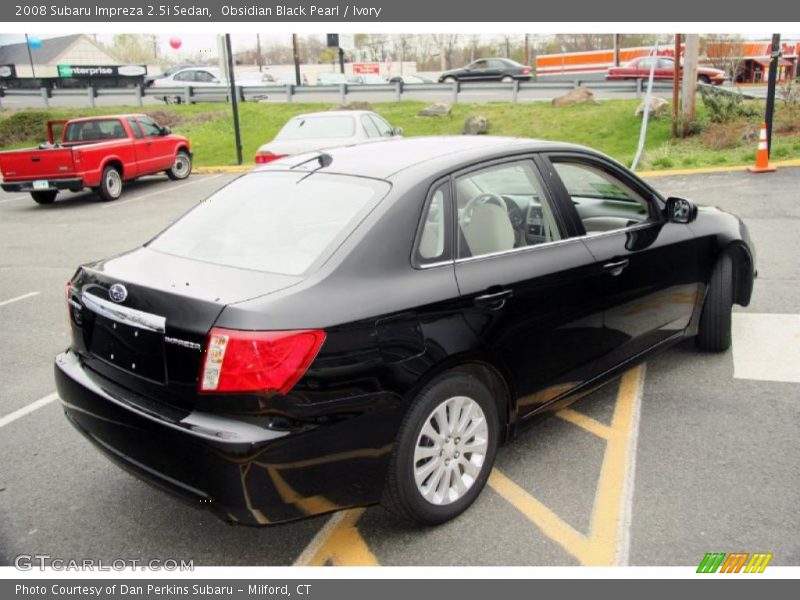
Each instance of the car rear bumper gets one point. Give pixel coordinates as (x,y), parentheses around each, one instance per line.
(70,183)
(245,473)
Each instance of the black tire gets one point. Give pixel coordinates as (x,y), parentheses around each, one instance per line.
(181,168)
(110,185)
(46,197)
(714,334)
(402,495)
(704,79)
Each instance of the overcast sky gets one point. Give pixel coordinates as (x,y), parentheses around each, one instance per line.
(192,44)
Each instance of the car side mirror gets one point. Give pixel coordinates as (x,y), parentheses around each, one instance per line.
(166,131)
(680,210)
(397,131)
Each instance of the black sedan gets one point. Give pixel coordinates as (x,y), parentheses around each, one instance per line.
(488,69)
(369,325)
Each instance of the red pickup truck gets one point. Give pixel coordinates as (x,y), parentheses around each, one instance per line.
(95,152)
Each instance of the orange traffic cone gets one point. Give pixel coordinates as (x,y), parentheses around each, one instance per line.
(762,154)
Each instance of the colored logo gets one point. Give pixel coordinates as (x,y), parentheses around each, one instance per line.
(735,562)
(65,70)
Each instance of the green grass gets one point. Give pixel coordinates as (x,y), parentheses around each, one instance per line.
(609,126)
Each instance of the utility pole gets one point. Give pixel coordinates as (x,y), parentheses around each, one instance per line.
(689,86)
(676,82)
(234,99)
(258,53)
(296,52)
(30,55)
(773,79)
(617,39)
(527,60)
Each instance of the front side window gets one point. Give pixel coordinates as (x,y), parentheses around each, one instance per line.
(501,208)
(204,77)
(369,127)
(384,129)
(279,222)
(317,127)
(149,128)
(603,201)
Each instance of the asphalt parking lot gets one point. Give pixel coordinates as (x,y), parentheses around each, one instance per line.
(688,454)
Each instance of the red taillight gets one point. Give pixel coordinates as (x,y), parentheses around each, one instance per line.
(526,71)
(267,156)
(77,155)
(257,361)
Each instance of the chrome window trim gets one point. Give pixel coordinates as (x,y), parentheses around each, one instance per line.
(123,314)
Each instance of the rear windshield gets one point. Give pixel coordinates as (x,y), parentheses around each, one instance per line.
(280,222)
(317,127)
(99,129)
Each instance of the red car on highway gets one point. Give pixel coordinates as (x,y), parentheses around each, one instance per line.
(95,152)
(639,68)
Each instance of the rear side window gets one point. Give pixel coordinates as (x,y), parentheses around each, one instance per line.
(433,239)
(317,127)
(279,222)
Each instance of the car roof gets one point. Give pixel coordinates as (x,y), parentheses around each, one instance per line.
(333,113)
(387,158)
(98,117)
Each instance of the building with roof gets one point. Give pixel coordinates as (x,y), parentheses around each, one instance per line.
(66,61)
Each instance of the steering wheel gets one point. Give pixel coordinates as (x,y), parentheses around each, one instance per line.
(484,198)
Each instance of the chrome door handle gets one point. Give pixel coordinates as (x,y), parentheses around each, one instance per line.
(495,300)
(616,267)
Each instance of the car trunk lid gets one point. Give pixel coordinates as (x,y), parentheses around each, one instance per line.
(151,337)
(37,163)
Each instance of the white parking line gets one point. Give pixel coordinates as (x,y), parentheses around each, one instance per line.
(160,192)
(319,539)
(14,198)
(766,347)
(626,508)
(18,298)
(11,417)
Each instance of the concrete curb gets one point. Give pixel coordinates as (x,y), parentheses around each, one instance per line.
(794,162)
(222,169)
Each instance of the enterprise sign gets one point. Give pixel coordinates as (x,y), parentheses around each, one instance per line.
(68,71)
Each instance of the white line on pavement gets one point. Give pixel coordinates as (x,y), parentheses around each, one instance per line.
(161,191)
(11,417)
(626,508)
(320,538)
(18,298)
(14,198)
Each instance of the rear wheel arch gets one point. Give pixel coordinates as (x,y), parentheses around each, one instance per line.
(117,164)
(488,375)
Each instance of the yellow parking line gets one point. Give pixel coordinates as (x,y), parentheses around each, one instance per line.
(585,422)
(608,502)
(607,532)
(549,522)
(339,543)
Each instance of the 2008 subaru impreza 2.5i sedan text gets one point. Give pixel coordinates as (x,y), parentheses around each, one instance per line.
(369,324)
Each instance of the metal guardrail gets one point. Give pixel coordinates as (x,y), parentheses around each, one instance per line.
(254,93)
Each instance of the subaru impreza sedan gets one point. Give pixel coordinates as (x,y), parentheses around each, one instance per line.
(369,324)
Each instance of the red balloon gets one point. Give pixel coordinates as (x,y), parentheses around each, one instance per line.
(175,42)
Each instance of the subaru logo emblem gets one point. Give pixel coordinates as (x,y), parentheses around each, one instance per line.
(117,292)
